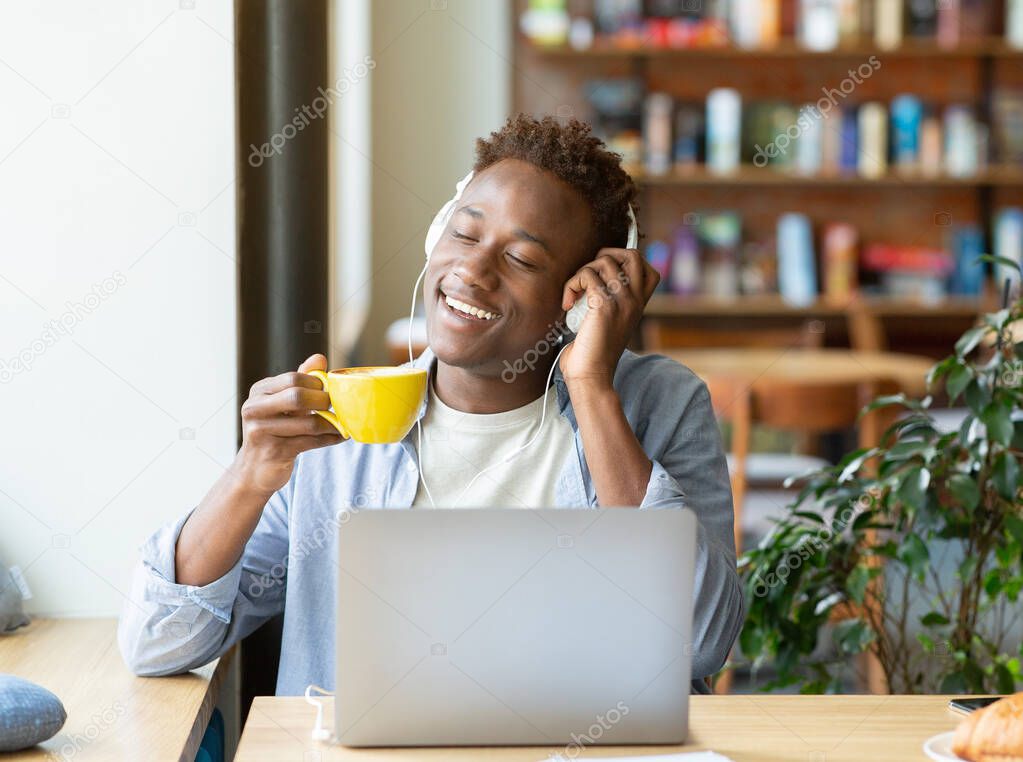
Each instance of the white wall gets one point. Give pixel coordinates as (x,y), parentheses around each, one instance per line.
(116,167)
(442,79)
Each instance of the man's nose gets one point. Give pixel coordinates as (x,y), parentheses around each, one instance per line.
(478,266)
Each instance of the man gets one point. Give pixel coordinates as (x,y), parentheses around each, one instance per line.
(540,225)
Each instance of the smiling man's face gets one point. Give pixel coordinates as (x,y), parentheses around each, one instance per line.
(515,237)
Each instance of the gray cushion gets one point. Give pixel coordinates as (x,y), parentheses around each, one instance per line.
(11,615)
(29,714)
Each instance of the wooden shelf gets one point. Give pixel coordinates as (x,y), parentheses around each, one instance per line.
(991,47)
(752,176)
(669,305)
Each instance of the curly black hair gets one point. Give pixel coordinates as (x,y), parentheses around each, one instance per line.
(577,157)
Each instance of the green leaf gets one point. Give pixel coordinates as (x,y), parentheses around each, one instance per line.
(969,340)
(1013,666)
(826,604)
(1006,556)
(933,619)
(1015,526)
(977,395)
(958,378)
(914,486)
(751,640)
(856,583)
(974,676)
(938,370)
(1004,261)
(905,450)
(993,583)
(1005,475)
(851,463)
(954,682)
(997,319)
(1004,681)
(892,399)
(914,554)
(999,425)
(853,635)
(809,516)
(966,567)
(965,490)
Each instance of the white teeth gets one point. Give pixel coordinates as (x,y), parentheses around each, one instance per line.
(469,309)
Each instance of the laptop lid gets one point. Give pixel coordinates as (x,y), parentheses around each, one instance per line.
(514,627)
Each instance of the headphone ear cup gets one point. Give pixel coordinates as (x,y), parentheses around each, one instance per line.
(440,220)
(436,230)
(633,236)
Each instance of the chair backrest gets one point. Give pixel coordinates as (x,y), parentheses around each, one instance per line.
(811,408)
(660,334)
(398,336)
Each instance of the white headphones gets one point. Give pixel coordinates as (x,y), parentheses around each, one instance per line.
(440,220)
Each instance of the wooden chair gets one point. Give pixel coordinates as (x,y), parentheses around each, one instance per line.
(659,334)
(809,408)
(397,339)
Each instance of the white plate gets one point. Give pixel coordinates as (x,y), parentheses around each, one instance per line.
(939,748)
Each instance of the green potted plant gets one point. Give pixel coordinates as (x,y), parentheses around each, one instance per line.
(911,551)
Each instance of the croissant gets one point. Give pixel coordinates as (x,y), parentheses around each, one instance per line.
(992,734)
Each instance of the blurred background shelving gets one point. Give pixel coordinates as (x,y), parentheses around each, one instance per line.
(911,216)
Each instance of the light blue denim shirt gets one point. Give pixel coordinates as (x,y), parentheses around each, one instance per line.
(290,562)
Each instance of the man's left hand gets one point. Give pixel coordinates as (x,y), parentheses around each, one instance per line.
(617,285)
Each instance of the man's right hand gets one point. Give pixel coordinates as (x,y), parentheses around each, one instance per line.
(278,424)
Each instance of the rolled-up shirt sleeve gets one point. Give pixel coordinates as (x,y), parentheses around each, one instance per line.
(691,471)
(167,627)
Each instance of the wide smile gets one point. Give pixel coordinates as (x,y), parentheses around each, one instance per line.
(468,311)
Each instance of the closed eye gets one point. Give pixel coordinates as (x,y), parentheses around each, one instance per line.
(462,237)
(519,261)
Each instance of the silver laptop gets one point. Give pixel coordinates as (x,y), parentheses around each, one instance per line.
(485,627)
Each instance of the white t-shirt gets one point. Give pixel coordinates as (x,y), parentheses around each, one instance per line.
(456,446)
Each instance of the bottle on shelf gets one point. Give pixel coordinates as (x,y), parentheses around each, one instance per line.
(797,276)
(839,261)
(809,144)
(961,152)
(720,236)
(967,245)
(1008,243)
(819,24)
(1014,24)
(724,119)
(906,116)
(930,146)
(888,24)
(949,22)
(685,262)
(658,254)
(688,133)
(873,146)
(657,133)
(922,18)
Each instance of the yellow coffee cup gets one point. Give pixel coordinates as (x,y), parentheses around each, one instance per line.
(373,405)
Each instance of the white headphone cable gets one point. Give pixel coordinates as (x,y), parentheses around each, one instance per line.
(543,415)
(419,420)
(319,733)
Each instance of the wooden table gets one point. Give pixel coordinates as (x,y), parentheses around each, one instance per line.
(808,365)
(111,713)
(762,728)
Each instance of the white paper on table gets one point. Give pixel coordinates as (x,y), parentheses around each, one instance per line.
(691,756)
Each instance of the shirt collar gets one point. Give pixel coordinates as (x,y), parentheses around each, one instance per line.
(428,361)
